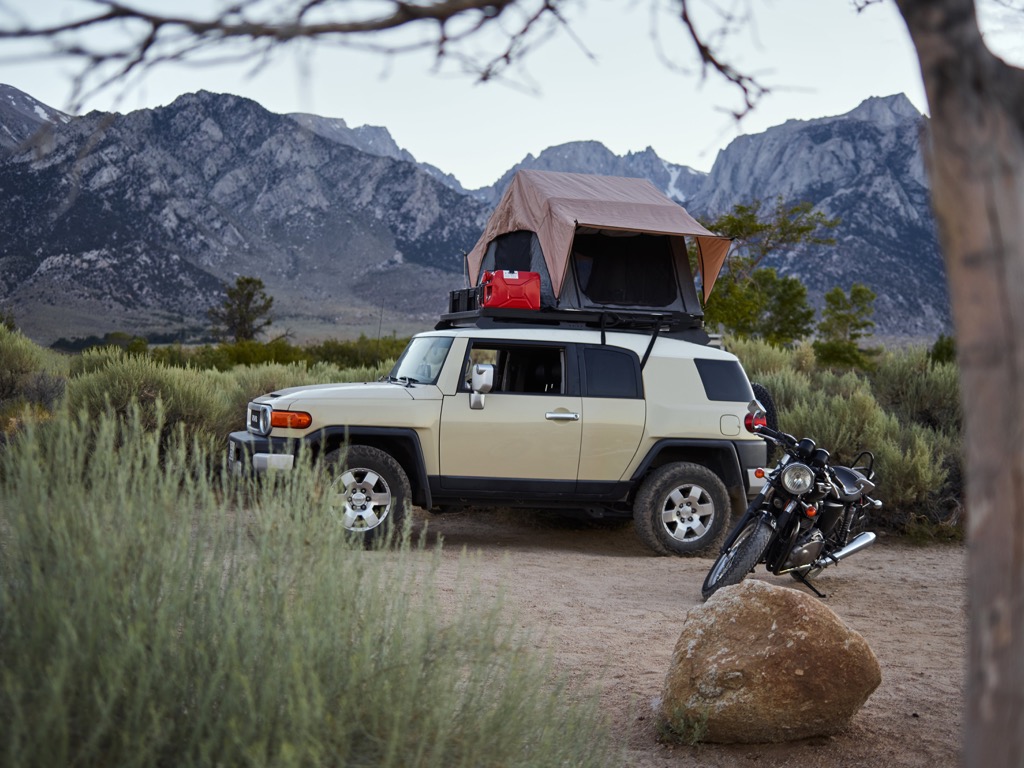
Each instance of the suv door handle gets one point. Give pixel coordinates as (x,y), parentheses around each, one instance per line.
(561,416)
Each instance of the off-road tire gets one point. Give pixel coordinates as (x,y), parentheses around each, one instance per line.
(368,492)
(740,559)
(681,509)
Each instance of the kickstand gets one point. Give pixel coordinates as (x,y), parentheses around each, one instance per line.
(806,582)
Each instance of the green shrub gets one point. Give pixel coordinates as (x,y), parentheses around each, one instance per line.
(256,353)
(906,412)
(913,463)
(167,398)
(30,376)
(360,353)
(97,358)
(912,474)
(207,404)
(805,360)
(224,357)
(364,352)
(915,388)
(146,621)
(843,425)
(788,387)
(759,357)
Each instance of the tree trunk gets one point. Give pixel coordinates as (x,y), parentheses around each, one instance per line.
(976,164)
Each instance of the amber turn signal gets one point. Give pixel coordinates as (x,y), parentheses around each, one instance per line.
(810,511)
(290,419)
(759,473)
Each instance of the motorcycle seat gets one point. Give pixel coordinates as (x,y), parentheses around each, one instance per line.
(852,484)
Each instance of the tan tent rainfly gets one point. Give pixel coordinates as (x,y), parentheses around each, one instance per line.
(559,208)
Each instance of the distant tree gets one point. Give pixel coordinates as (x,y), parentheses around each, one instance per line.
(751,301)
(764,306)
(245,311)
(943,350)
(7,319)
(136,345)
(787,227)
(846,320)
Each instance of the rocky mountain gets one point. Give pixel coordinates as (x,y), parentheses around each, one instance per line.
(678,182)
(136,222)
(372,139)
(866,168)
(22,118)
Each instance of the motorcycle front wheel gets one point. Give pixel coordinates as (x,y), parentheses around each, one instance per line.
(739,559)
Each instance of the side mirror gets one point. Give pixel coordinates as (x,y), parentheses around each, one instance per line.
(480,383)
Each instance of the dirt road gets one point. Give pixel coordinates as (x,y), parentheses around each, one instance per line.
(613,612)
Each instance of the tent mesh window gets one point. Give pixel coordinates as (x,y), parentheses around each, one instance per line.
(632,270)
(513,251)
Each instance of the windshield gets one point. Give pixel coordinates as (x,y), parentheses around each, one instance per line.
(421,361)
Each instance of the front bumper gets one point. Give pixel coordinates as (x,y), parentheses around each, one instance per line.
(252,454)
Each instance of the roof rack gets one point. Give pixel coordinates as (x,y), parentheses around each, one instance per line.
(682,325)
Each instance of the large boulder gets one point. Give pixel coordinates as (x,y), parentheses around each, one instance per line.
(761,663)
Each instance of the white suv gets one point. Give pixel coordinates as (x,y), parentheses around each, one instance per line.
(528,415)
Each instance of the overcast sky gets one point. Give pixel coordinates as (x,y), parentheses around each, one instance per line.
(820,57)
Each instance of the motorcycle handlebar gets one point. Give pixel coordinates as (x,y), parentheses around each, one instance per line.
(777,437)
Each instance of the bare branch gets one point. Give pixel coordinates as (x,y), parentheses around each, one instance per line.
(135,39)
(862,5)
(145,39)
(751,89)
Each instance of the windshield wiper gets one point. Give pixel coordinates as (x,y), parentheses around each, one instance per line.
(405,381)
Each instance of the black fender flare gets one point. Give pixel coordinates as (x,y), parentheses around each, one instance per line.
(728,466)
(409,451)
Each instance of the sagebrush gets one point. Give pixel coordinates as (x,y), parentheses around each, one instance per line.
(151,614)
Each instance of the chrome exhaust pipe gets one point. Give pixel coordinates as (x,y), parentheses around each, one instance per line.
(863,540)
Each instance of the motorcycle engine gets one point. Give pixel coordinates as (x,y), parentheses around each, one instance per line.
(806,551)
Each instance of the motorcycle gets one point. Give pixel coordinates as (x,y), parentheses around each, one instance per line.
(808,516)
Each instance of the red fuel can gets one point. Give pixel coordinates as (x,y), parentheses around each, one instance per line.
(511,290)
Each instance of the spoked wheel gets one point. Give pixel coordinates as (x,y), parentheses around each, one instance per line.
(368,493)
(740,559)
(681,509)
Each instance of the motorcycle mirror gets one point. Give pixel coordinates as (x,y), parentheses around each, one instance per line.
(753,407)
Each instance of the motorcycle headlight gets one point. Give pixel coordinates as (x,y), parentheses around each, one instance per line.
(797,479)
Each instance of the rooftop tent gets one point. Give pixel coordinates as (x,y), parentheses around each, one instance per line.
(598,242)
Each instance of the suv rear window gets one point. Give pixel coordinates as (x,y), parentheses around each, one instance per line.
(724,380)
(611,373)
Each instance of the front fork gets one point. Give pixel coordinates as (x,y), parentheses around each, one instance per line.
(760,507)
(753,508)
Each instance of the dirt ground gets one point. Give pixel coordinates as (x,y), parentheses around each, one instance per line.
(613,613)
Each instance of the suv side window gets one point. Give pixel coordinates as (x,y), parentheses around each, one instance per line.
(611,372)
(519,368)
(724,380)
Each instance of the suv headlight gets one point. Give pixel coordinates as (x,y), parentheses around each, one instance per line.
(797,479)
